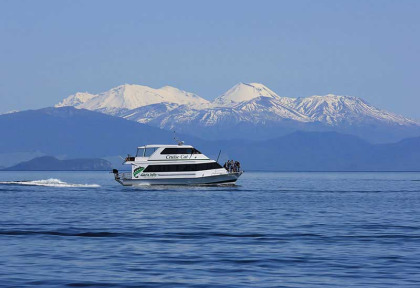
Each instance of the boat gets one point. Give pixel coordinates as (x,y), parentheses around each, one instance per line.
(175,165)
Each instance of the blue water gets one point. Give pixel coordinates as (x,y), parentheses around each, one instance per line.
(272,230)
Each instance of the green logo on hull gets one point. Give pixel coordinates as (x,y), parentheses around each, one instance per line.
(137,171)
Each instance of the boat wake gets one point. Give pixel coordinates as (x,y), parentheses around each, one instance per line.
(52,182)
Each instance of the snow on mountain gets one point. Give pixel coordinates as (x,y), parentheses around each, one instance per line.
(246,110)
(334,109)
(128,97)
(273,109)
(9,112)
(148,113)
(243,92)
(257,111)
(77,99)
(254,111)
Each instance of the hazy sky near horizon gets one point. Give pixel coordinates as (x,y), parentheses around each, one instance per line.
(369,49)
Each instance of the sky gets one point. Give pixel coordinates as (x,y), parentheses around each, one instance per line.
(369,49)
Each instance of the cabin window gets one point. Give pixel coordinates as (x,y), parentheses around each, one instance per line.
(182,167)
(145,152)
(180,151)
(149,151)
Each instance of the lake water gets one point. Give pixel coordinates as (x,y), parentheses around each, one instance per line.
(271,230)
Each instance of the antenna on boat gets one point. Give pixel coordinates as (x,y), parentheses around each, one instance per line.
(180,143)
(218,156)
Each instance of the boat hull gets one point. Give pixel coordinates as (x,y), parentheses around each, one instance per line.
(206,180)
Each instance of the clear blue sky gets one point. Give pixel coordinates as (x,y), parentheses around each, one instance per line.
(370,49)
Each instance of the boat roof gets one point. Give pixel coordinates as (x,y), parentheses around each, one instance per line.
(165,145)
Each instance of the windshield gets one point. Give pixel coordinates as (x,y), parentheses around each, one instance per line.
(149,151)
(140,152)
(145,152)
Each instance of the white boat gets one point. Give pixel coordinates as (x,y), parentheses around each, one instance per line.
(174,165)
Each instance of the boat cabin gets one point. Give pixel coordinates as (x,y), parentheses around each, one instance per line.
(166,152)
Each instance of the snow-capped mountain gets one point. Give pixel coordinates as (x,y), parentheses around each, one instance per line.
(335,109)
(128,97)
(246,111)
(243,92)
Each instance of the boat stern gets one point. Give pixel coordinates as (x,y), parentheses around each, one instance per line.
(121,177)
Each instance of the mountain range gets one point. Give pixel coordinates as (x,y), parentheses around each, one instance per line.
(249,122)
(246,111)
(69,133)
